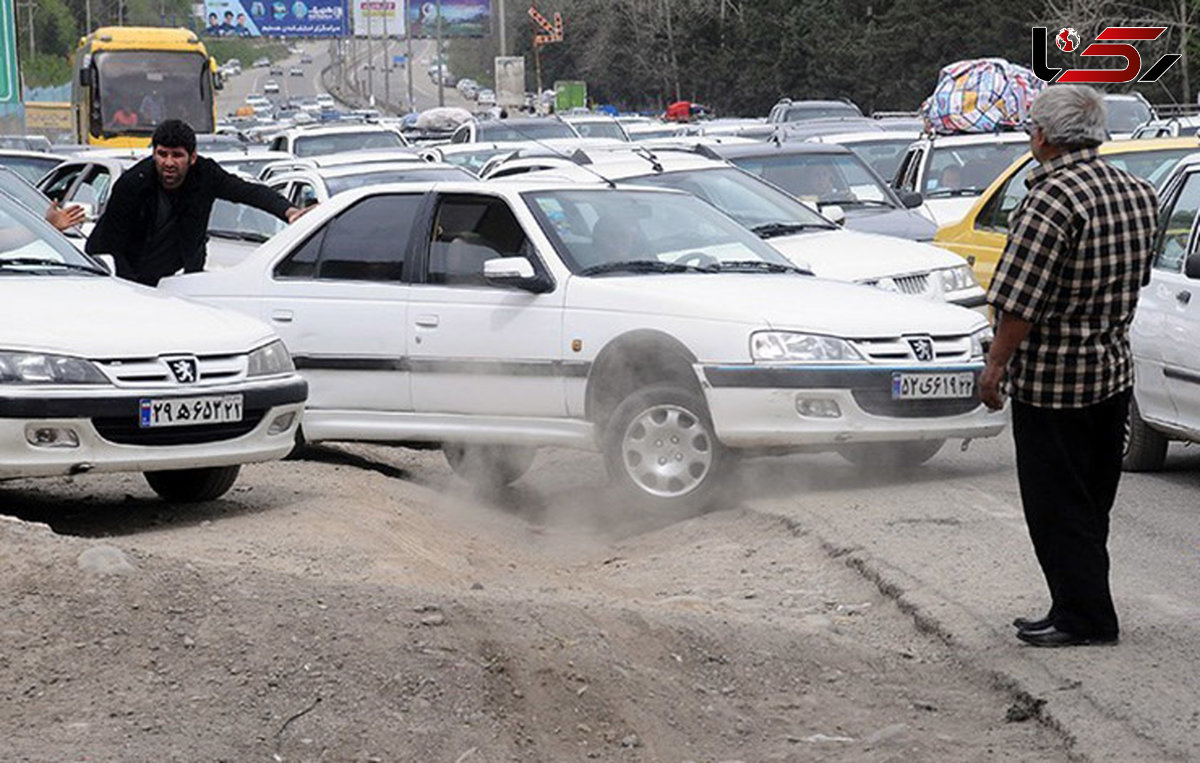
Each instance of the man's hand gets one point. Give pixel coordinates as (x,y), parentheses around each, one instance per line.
(989,386)
(65,218)
(295,213)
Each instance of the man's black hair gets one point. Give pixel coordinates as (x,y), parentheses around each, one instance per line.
(175,133)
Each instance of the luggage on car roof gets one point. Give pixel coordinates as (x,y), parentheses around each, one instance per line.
(980,95)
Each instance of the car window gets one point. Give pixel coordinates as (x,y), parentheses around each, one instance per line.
(738,194)
(20,189)
(906,173)
(26,238)
(303,195)
(599,130)
(367,242)
(994,215)
(467,232)
(1175,226)
(28,167)
(882,156)
(60,181)
(823,178)
(336,143)
(417,174)
(242,222)
(1153,166)
(94,188)
(967,170)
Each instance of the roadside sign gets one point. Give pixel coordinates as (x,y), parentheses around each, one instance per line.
(400,60)
(10,80)
(510,81)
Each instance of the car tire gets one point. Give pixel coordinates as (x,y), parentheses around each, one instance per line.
(193,485)
(1145,448)
(891,455)
(489,467)
(684,469)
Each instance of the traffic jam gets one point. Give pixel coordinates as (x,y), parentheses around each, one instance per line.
(674,294)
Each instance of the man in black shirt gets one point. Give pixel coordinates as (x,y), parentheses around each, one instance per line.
(156,220)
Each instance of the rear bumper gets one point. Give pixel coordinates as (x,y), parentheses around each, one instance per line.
(110,440)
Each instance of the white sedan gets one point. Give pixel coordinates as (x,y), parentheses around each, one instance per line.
(101,375)
(496,318)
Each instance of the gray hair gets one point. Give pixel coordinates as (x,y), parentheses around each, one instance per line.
(1070,116)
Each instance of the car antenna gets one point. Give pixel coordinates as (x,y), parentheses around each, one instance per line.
(574,158)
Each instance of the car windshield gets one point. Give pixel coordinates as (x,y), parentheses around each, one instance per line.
(20,189)
(242,222)
(508,132)
(626,231)
(335,143)
(653,134)
(1153,166)
(883,156)
(1126,115)
(140,89)
(600,129)
(753,203)
(821,178)
(29,245)
(32,168)
(967,170)
(248,166)
(342,183)
(473,160)
(804,113)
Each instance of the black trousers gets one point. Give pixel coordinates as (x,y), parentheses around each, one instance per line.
(1068,465)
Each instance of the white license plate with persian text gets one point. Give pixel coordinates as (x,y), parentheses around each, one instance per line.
(933,386)
(189,411)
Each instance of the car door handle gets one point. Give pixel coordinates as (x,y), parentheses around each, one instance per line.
(282,316)
(427,321)
(1184,296)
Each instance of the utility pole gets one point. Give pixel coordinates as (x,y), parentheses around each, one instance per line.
(408,55)
(87,5)
(387,59)
(441,54)
(503,36)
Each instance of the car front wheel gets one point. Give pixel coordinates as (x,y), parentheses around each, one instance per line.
(193,485)
(1145,448)
(661,449)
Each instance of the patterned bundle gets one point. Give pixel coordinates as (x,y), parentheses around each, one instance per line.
(980,95)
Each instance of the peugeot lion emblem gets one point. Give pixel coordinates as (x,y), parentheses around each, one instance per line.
(922,347)
(185,370)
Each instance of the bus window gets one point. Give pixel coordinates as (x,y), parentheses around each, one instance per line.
(137,90)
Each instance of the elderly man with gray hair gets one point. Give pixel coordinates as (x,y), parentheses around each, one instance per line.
(1079,251)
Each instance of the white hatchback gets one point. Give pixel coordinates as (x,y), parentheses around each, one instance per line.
(102,375)
(496,318)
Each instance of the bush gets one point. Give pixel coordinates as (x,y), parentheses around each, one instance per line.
(43,70)
(245,50)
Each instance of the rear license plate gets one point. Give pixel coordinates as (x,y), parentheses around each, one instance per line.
(927,386)
(189,411)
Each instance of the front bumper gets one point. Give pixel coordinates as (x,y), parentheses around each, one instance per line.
(759,407)
(109,439)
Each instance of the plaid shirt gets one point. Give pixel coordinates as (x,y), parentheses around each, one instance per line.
(1079,250)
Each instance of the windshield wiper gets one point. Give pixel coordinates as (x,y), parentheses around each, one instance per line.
(770,230)
(754,266)
(45,262)
(858,203)
(640,266)
(954,192)
(239,235)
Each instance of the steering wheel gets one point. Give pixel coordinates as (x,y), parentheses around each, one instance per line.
(699,259)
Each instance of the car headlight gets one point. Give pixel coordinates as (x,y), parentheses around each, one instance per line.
(958,278)
(801,348)
(981,341)
(270,360)
(40,368)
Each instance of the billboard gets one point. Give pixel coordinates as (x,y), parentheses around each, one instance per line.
(510,81)
(378,18)
(460,18)
(274,18)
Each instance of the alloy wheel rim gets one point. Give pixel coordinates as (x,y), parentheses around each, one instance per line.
(667,451)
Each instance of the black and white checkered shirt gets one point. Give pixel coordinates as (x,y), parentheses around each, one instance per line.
(1079,250)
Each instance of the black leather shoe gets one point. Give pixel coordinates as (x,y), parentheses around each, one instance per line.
(1025,624)
(1051,637)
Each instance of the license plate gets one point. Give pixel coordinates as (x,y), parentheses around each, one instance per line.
(189,411)
(925,386)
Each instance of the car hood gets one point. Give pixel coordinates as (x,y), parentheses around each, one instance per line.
(846,255)
(950,211)
(110,318)
(794,302)
(901,223)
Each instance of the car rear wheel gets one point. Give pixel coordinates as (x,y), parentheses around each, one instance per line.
(193,485)
(661,449)
(489,466)
(1145,448)
(891,455)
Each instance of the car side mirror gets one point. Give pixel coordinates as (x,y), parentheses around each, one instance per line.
(516,272)
(108,261)
(911,199)
(1191,266)
(834,213)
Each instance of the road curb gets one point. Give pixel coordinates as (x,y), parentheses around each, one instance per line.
(1036,693)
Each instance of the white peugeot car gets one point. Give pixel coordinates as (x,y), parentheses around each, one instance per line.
(496,318)
(101,375)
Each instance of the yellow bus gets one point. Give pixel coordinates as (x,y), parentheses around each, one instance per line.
(129,79)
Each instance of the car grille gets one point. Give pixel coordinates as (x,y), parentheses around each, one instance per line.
(916,284)
(880,403)
(892,349)
(124,430)
(154,372)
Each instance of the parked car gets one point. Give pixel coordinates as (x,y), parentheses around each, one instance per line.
(31,165)
(306,58)
(1166,330)
(882,151)
(276,70)
(296,71)
(512,130)
(797,231)
(25,142)
(332,139)
(787,110)
(1126,112)
(486,97)
(261,62)
(1170,127)
(270,87)
(494,319)
(952,171)
(344,159)
(120,378)
(982,233)
(597,126)
(304,188)
(830,175)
